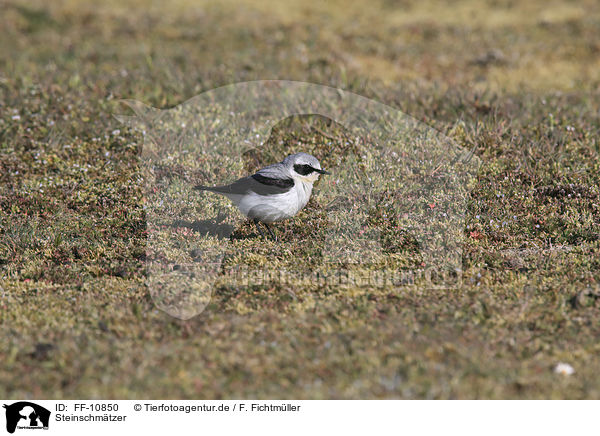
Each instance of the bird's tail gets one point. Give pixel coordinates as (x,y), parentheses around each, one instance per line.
(217,189)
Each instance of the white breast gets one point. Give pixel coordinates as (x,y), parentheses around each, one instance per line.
(275,207)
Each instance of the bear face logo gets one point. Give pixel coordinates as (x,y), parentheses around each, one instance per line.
(25,414)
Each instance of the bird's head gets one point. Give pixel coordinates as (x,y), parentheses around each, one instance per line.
(304,167)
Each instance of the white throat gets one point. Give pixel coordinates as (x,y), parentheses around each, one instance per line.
(303,189)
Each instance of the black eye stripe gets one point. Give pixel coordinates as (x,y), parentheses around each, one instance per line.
(303,169)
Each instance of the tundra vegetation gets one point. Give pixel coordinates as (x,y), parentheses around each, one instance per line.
(517,83)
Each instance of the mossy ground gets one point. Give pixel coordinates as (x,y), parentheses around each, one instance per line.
(518,83)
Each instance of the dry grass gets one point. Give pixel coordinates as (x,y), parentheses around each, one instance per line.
(516,81)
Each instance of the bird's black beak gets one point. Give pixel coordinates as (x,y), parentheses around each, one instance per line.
(323,172)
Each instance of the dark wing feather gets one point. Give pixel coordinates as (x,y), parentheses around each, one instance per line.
(257,183)
(284,184)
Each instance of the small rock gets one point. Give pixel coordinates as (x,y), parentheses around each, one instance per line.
(583,298)
(564,369)
(103,326)
(494,56)
(42,350)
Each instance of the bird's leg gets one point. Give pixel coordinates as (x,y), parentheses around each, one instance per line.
(271,232)
(257,223)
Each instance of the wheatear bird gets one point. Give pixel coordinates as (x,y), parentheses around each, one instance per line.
(274,193)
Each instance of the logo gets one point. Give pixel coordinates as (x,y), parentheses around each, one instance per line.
(395,204)
(26,415)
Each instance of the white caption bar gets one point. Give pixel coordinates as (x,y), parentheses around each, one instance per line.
(96,417)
